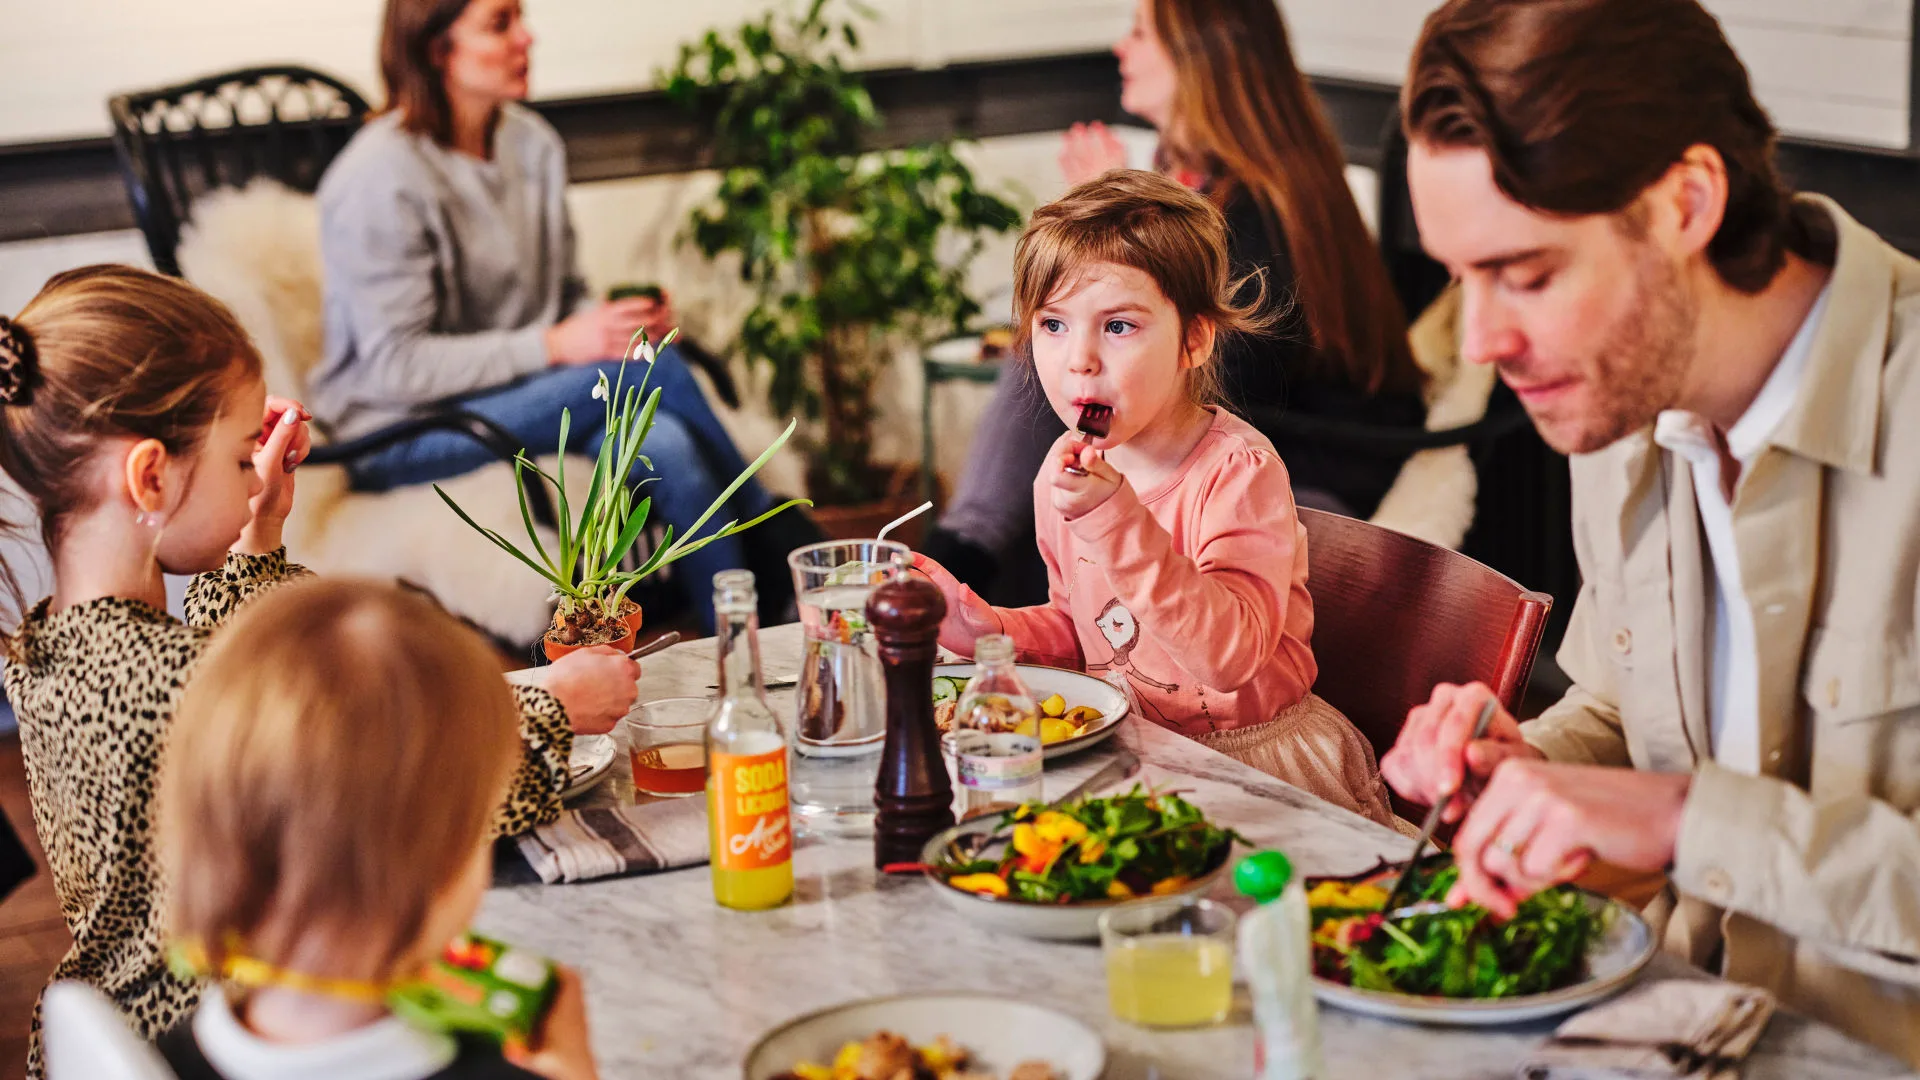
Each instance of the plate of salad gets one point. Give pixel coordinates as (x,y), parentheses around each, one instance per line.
(1566,948)
(1049,871)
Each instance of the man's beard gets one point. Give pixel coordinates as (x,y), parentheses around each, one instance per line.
(1639,367)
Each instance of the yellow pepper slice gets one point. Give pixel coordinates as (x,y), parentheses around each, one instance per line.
(1055,827)
(1118,890)
(1171,885)
(987,884)
(1054,706)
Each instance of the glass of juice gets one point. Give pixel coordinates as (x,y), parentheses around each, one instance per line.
(1169,963)
(667,742)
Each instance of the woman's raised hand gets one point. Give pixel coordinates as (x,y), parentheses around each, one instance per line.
(1089,150)
(596,686)
(969,618)
(284,444)
(603,331)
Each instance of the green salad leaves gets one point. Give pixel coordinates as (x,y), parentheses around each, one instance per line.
(1143,843)
(1457,953)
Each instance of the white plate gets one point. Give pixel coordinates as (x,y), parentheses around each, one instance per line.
(1612,963)
(593,757)
(999,1033)
(1047,922)
(1076,688)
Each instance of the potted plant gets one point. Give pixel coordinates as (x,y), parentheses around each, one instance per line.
(593,539)
(850,254)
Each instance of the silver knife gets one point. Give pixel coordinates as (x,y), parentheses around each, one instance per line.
(1433,815)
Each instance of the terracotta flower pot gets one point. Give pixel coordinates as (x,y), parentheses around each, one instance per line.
(630,614)
(555,650)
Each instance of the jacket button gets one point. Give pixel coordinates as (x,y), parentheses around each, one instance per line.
(1833,693)
(1717,886)
(1623,641)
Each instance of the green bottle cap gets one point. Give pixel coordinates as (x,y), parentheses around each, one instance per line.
(1263,875)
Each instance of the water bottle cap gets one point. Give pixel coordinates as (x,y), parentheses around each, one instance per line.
(1263,875)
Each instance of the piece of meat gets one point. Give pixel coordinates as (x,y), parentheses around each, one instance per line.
(943,714)
(885,1056)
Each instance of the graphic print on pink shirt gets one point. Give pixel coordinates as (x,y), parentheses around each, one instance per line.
(1122,631)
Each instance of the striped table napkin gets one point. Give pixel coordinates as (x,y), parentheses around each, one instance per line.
(1694,1029)
(610,841)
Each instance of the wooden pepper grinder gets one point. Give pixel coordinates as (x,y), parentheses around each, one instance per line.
(913,797)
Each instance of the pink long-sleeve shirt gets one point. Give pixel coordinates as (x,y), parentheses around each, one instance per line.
(1193,594)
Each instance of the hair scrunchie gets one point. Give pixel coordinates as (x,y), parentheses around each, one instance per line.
(19,367)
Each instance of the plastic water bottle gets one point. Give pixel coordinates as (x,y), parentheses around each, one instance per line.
(1276,949)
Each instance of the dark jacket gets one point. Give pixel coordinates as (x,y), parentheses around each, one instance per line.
(1279,372)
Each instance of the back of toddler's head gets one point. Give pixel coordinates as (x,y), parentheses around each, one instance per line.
(332,770)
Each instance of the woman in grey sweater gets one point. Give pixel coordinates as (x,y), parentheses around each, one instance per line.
(450,276)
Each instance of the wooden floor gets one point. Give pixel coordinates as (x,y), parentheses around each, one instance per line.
(33,937)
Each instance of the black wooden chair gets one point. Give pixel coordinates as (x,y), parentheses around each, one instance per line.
(286,123)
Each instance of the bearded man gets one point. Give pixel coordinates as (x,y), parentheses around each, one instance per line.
(1736,370)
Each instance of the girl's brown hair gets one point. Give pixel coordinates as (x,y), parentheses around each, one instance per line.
(106,352)
(332,767)
(1243,112)
(410,39)
(1580,105)
(1148,222)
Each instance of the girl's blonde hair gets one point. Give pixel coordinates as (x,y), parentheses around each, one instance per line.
(1153,224)
(333,764)
(104,352)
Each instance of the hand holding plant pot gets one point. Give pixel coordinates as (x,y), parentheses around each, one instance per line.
(586,562)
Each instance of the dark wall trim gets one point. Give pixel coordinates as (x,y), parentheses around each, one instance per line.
(63,188)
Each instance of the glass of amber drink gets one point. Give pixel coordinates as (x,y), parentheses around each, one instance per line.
(667,742)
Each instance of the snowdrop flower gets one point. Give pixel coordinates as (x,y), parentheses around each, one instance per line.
(600,389)
(644,351)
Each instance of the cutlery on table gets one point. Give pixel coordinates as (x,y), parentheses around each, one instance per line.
(1431,823)
(1095,421)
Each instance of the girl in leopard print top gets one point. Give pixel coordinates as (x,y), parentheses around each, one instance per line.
(130,412)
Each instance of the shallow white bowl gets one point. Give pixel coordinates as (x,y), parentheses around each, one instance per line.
(1000,1034)
(1077,688)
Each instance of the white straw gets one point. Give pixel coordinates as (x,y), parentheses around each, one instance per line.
(903,519)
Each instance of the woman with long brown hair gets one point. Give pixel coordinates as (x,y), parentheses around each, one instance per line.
(1238,122)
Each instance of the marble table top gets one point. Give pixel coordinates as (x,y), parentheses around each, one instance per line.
(680,987)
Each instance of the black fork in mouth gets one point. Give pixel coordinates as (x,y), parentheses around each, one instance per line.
(1095,421)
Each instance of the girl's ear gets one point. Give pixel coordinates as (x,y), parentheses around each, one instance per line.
(147,476)
(1199,344)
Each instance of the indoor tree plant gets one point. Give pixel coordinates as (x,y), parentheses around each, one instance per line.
(844,248)
(593,539)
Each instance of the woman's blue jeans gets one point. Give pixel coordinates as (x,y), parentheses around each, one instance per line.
(692,455)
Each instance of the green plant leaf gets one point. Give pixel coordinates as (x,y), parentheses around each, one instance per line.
(503,544)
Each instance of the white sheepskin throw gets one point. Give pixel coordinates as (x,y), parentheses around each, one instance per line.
(1433,497)
(258,251)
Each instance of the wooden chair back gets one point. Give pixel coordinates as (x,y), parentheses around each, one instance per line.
(1393,616)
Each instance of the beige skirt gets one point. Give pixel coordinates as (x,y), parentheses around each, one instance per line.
(1314,747)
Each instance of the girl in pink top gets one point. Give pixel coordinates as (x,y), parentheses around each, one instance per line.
(1177,566)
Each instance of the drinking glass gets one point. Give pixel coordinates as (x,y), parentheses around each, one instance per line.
(667,742)
(1169,963)
(842,700)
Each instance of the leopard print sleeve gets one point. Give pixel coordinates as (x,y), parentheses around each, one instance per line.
(534,796)
(213,597)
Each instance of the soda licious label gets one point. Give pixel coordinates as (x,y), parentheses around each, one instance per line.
(752,830)
(999,762)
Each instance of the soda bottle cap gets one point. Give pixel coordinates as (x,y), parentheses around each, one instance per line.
(1263,875)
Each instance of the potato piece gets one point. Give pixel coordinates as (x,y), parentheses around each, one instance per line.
(1054,706)
(1081,715)
(1054,730)
(884,1056)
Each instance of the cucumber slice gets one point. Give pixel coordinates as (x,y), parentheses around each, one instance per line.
(947,688)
